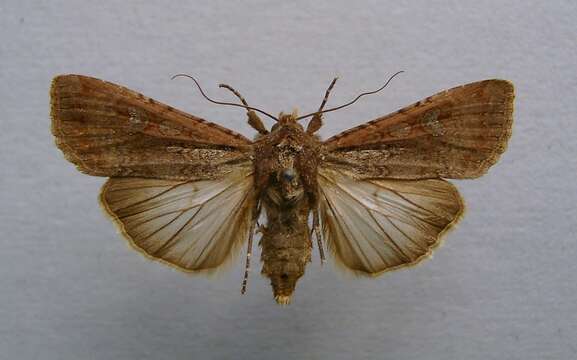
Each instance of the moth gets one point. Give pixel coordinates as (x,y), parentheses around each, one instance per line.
(189,193)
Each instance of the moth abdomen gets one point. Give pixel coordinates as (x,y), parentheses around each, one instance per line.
(285,254)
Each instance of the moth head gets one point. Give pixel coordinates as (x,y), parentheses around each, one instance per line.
(288,118)
(287,121)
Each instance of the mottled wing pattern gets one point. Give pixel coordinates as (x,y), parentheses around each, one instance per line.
(109,130)
(372,226)
(192,225)
(458,133)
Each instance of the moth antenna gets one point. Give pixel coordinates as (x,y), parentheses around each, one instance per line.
(317,122)
(222,102)
(253,119)
(355,99)
(238,95)
(327,94)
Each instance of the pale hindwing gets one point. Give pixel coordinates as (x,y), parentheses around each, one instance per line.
(372,226)
(192,225)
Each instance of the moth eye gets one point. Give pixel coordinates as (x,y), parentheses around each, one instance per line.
(288,174)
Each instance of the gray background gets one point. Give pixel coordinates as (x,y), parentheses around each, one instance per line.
(502,287)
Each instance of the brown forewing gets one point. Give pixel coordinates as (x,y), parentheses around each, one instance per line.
(457,133)
(108,130)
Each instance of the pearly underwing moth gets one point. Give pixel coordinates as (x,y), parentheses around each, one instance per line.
(189,193)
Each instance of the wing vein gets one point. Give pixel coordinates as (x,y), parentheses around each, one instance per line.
(395,245)
(168,243)
(214,234)
(150,198)
(329,202)
(164,226)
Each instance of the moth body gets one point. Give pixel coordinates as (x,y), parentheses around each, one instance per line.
(285,165)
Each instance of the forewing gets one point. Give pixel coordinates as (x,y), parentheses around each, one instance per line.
(458,133)
(192,225)
(108,130)
(372,226)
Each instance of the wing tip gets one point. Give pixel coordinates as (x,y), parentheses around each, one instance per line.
(507,85)
(506,93)
(508,96)
(55,123)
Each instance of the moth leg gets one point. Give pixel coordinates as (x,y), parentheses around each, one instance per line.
(249,247)
(317,230)
(253,119)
